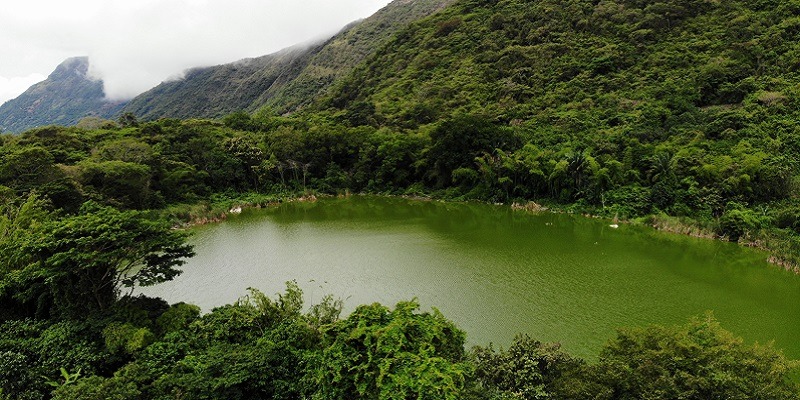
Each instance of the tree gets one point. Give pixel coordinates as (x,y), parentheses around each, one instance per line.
(128,120)
(527,370)
(399,354)
(457,142)
(239,120)
(126,184)
(249,155)
(82,263)
(697,361)
(27,168)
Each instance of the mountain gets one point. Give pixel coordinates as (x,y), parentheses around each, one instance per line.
(622,67)
(219,90)
(66,96)
(284,81)
(687,107)
(342,53)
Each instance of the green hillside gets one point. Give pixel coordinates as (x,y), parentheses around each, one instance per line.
(284,81)
(216,91)
(679,114)
(66,96)
(338,57)
(680,106)
(627,65)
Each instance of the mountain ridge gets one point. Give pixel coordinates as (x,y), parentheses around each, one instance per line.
(281,82)
(67,95)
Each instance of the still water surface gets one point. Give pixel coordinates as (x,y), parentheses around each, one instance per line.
(493,271)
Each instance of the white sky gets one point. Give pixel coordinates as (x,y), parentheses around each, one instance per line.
(134,45)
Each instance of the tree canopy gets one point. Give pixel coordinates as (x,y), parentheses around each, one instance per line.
(84,262)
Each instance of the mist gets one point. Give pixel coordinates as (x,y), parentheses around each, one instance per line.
(133,46)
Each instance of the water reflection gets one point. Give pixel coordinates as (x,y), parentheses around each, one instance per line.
(495,272)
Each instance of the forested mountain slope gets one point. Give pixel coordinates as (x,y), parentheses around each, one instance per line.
(220,90)
(680,106)
(346,50)
(66,96)
(283,81)
(635,64)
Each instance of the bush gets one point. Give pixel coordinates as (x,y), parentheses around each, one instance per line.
(697,361)
(527,370)
(737,222)
(629,201)
(178,317)
(399,354)
(126,338)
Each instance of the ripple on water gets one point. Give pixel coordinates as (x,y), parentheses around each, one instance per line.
(494,272)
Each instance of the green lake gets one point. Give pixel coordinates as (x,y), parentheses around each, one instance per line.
(493,271)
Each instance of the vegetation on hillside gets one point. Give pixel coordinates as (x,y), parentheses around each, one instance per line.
(343,52)
(282,82)
(674,110)
(687,107)
(213,92)
(65,97)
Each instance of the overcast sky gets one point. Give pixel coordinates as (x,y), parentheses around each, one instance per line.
(135,44)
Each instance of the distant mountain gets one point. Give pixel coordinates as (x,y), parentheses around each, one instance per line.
(284,81)
(216,91)
(66,96)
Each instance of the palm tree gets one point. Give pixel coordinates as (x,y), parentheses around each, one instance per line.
(660,167)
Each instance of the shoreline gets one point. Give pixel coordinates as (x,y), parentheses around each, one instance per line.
(209,212)
(678,226)
(215,213)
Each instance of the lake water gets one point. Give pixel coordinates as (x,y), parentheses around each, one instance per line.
(493,271)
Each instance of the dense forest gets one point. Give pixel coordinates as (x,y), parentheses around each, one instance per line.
(87,215)
(681,108)
(681,114)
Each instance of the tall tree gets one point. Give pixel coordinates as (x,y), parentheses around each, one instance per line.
(83,263)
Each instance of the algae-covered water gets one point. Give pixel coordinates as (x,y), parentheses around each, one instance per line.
(493,271)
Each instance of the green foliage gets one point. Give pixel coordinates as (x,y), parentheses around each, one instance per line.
(256,348)
(27,168)
(66,378)
(126,338)
(325,312)
(33,353)
(16,376)
(529,369)
(177,317)
(629,201)
(738,221)
(457,142)
(397,354)
(697,361)
(633,106)
(128,120)
(81,263)
(124,184)
(97,388)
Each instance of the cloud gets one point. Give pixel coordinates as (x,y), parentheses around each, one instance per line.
(15,86)
(134,45)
